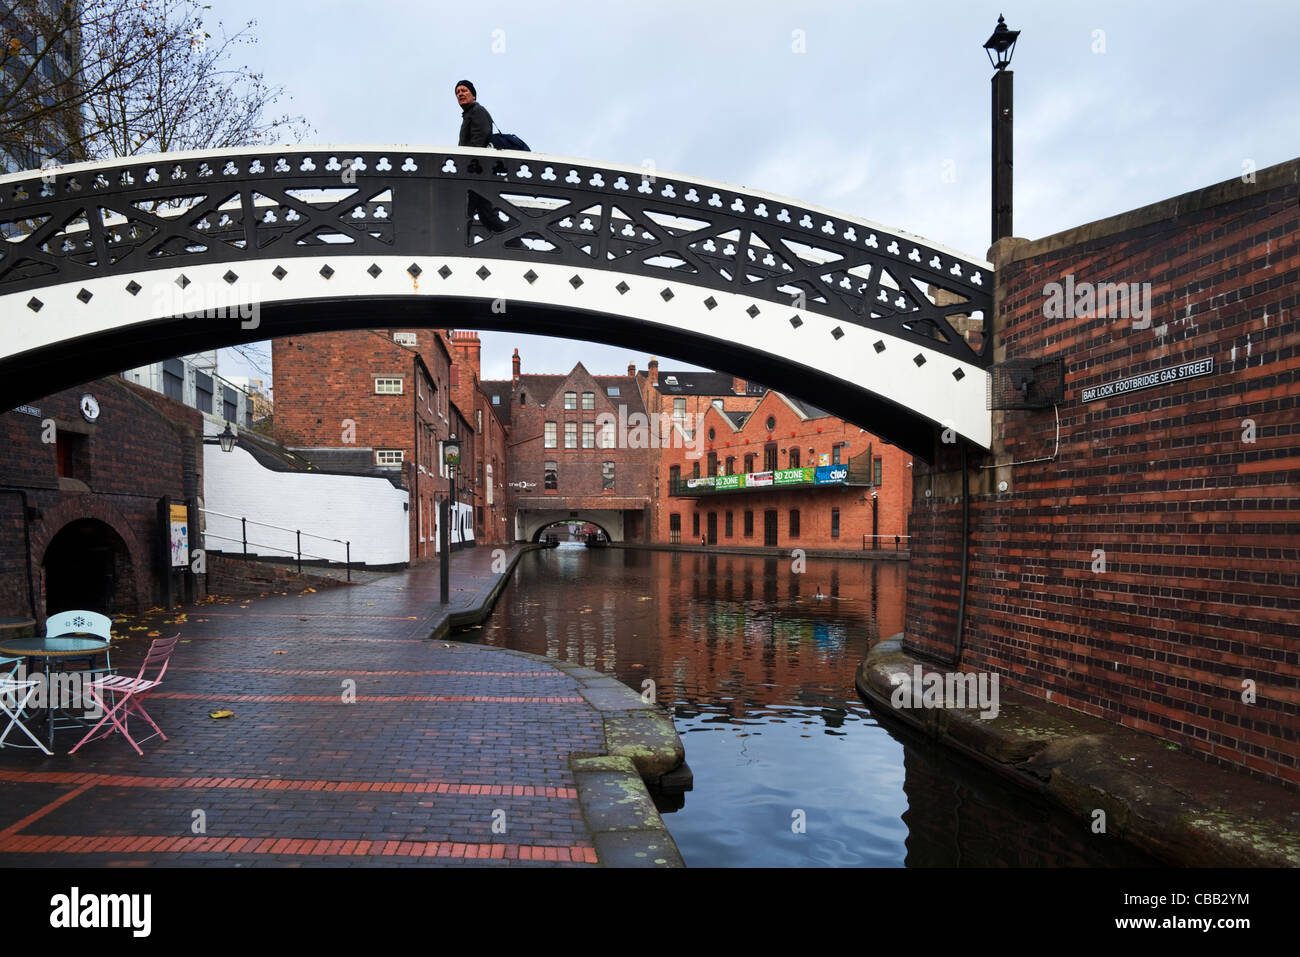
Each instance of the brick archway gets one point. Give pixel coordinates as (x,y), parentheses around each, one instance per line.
(75,508)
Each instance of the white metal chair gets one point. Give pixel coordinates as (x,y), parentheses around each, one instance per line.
(14,696)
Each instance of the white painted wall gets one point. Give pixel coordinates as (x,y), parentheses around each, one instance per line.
(364,510)
(462,527)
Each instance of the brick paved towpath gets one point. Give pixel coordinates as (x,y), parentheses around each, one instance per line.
(449,754)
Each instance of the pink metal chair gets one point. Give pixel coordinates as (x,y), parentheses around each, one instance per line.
(132,691)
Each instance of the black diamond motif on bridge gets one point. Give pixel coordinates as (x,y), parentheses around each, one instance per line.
(710,304)
(796,321)
(85,295)
(838,333)
(415,270)
(182,280)
(133,287)
(444,271)
(919,360)
(482,272)
(958,374)
(753,312)
(374,270)
(622,288)
(230,278)
(879,346)
(34,304)
(575,282)
(279,272)
(667,294)
(531,277)
(326,271)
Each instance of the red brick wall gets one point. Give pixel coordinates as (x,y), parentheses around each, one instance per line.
(134,454)
(1200,529)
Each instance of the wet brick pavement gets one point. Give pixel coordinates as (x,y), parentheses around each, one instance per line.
(443,742)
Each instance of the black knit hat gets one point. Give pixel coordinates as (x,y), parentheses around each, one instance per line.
(469,85)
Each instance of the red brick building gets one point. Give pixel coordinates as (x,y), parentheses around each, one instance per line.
(797,477)
(372,402)
(563,464)
(487,469)
(82,473)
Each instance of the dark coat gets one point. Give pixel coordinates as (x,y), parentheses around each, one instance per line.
(475,126)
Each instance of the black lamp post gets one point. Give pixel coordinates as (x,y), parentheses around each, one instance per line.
(450,457)
(875,523)
(1003,44)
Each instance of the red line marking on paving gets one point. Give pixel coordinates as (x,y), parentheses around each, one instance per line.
(17,826)
(335,699)
(358,671)
(136,844)
(246,784)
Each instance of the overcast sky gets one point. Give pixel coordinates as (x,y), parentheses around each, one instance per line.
(879,109)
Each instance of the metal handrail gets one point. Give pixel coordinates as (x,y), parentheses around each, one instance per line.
(876,539)
(209,511)
(347,544)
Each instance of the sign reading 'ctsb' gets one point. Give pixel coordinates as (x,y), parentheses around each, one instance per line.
(1188,370)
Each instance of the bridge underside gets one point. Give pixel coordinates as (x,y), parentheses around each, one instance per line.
(104,353)
(536,522)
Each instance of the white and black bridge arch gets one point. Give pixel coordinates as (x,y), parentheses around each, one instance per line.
(109,265)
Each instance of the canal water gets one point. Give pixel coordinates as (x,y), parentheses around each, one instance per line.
(756,663)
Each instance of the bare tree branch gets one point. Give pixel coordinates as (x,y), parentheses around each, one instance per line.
(104,78)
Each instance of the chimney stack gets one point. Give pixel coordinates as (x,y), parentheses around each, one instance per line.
(631,368)
(514,363)
(654,371)
(738,385)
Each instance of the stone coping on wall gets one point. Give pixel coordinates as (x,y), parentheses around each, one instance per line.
(1171,804)
(1016,249)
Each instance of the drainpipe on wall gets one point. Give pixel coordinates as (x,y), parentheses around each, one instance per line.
(965,559)
(27,544)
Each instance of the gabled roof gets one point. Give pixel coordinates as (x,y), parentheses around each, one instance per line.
(502,391)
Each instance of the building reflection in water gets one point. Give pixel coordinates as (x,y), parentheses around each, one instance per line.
(756,663)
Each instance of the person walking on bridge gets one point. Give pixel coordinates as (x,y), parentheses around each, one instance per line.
(475,129)
(475,121)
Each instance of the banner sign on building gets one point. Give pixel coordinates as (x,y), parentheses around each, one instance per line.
(729,482)
(703,482)
(832,474)
(758,479)
(1188,370)
(180,536)
(792,476)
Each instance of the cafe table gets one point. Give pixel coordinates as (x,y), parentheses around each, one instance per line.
(54,649)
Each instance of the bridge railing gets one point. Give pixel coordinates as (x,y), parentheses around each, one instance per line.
(67,225)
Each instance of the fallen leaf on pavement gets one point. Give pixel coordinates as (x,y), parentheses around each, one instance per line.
(222,714)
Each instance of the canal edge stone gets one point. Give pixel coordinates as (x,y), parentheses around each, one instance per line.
(1079,762)
(625,826)
(479,607)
